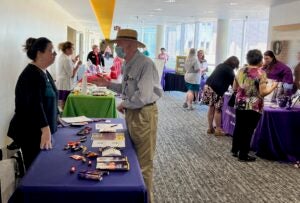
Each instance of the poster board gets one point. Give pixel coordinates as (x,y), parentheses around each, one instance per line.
(281,49)
(180,60)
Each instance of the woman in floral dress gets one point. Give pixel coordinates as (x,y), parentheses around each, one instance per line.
(250,85)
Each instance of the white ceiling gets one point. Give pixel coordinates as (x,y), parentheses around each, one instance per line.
(130,13)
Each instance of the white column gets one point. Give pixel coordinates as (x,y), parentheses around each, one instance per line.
(222,40)
(160,38)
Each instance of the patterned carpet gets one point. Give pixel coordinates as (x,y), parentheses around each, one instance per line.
(191,166)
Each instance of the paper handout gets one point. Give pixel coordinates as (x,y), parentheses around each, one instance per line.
(77,119)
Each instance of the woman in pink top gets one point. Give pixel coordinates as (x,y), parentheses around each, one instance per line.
(163,55)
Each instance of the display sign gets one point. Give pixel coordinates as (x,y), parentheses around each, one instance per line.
(180,61)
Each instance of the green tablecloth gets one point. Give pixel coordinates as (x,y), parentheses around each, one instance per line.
(90,106)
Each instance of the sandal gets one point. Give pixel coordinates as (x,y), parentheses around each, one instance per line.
(220,133)
(210,131)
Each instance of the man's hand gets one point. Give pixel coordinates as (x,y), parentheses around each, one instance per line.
(99,81)
(121,108)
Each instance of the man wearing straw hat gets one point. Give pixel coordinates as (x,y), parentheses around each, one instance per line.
(140,90)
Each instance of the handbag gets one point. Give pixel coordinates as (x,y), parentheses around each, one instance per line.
(231,101)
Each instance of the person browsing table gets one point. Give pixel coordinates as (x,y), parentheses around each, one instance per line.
(140,90)
(216,85)
(250,85)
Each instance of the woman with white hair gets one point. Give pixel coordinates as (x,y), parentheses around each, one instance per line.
(191,77)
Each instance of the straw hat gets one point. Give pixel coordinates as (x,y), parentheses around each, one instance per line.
(128,34)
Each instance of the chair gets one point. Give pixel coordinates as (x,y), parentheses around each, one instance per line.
(12,169)
(7,179)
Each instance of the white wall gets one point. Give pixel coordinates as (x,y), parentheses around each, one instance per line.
(20,20)
(281,15)
(284,14)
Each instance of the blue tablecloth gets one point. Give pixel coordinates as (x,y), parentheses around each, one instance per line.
(277,135)
(172,81)
(49,180)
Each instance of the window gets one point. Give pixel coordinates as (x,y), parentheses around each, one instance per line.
(173,41)
(188,38)
(206,40)
(235,38)
(147,35)
(253,37)
(149,39)
(200,35)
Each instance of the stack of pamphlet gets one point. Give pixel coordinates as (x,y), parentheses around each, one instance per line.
(115,163)
(111,139)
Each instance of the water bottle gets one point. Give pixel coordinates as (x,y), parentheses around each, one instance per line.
(84,84)
(278,92)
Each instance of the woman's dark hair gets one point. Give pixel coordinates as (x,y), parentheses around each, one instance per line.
(33,45)
(272,55)
(65,45)
(254,57)
(232,61)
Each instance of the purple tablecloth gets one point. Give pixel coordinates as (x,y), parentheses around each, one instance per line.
(48,179)
(277,135)
(228,116)
(166,70)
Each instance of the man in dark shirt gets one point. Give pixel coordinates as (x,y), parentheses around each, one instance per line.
(96,57)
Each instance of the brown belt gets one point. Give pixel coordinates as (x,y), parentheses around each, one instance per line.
(150,104)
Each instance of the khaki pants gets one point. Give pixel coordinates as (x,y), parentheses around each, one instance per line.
(142,126)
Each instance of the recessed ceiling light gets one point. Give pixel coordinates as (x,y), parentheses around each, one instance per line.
(233,3)
(157,9)
(170,1)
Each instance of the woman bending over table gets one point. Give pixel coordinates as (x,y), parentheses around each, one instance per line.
(216,85)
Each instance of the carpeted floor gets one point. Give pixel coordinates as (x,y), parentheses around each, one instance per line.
(192,166)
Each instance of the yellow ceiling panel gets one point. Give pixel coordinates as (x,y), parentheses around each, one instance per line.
(104,12)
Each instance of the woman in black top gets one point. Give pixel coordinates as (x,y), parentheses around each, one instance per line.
(216,85)
(35,117)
